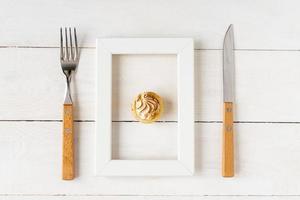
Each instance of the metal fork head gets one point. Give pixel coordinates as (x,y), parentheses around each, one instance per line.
(69,55)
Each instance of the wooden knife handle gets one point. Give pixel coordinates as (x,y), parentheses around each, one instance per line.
(228,141)
(68,146)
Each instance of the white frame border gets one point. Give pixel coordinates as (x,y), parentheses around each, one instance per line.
(184,49)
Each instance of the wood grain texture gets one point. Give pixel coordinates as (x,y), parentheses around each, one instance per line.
(30,151)
(228,141)
(259,24)
(68,143)
(255,72)
(267,85)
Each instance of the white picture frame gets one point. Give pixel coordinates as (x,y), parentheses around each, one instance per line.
(184,49)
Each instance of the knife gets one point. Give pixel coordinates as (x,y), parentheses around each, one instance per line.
(228,95)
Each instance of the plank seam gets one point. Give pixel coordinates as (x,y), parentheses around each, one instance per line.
(196,49)
(147,195)
(133,121)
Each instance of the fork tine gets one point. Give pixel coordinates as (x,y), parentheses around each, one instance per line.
(67,46)
(71,45)
(61,45)
(76,47)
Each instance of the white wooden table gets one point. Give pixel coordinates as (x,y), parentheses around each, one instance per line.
(267,37)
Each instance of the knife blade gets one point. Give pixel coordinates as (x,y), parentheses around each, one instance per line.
(228,96)
(228,66)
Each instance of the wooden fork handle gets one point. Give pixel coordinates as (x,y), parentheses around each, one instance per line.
(68,146)
(228,141)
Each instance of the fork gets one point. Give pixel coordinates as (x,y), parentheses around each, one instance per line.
(69,59)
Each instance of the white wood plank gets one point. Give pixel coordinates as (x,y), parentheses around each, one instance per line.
(267,158)
(134,144)
(267,84)
(35,85)
(259,24)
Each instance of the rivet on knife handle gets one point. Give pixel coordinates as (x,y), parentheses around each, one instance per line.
(68,140)
(228,141)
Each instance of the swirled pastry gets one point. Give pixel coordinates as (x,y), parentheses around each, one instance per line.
(147,107)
